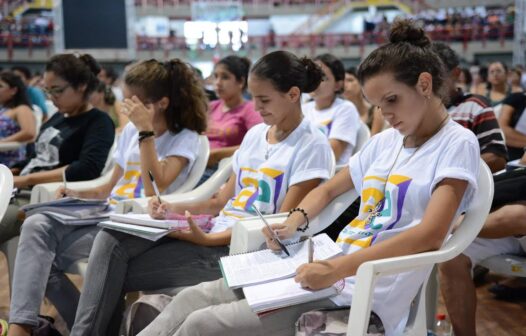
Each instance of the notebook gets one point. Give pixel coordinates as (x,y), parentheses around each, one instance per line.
(146,232)
(71,211)
(266,265)
(144,226)
(178,222)
(283,293)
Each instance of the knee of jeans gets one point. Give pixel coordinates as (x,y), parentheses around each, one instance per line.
(36,224)
(200,322)
(106,244)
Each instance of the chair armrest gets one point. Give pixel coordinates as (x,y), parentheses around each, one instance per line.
(246,233)
(9,146)
(201,193)
(46,191)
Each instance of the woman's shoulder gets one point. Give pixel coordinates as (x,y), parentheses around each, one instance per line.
(454,132)
(214,104)
(185,135)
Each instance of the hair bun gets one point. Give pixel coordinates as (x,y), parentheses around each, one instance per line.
(91,63)
(407,31)
(314,74)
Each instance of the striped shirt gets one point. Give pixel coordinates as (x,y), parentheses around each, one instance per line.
(475,113)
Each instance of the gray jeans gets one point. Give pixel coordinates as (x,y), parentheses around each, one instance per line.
(211,308)
(121,263)
(46,249)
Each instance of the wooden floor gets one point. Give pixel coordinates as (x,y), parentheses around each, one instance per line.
(494,317)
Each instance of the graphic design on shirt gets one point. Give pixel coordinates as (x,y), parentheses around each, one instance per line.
(363,230)
(131,185)
(325,127)
(260,187)
(47,151)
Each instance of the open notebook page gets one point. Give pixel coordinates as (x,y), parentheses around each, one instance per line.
(265,265)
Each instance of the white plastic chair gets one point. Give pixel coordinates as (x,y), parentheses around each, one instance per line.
(364,134)
(6,188)
(369,271)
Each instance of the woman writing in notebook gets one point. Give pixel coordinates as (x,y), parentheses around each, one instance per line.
(277,163)
(413,179)
(167,109)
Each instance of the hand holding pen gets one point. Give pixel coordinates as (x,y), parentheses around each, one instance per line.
(157,193)
(273,234)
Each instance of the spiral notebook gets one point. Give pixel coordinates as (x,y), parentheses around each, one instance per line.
(266,265)
(284,293)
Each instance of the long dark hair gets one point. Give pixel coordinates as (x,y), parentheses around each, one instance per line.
(14,81)
(188,107)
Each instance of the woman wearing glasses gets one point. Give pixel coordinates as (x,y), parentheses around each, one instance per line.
(17,122)
(76,140)
(167,109)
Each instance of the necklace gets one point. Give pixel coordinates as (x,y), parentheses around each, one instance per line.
(280,138)
(376,211)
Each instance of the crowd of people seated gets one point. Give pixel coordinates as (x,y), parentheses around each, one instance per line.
(285,122)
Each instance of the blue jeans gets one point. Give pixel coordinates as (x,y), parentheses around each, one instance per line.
(121,263)
(46,249)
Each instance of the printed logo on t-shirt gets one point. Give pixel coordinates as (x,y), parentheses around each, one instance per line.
(325,126)
(373,219)
(259,187)
(130,185)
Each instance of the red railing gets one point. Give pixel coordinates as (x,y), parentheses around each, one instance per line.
(495,32)
(276,3)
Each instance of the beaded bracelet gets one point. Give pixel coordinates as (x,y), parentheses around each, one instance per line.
(145,135)
(304,215)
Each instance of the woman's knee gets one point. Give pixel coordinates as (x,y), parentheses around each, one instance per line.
(37,224)
(456,266)
(106,243)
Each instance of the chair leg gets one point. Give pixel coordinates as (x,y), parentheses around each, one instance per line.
(432,298)
(9,249)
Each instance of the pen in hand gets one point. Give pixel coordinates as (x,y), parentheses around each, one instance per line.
(274,235)
(155,186)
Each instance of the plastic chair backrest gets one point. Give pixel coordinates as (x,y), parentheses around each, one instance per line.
(199,166)
(6,188)
(39,114)
(367,273)
(364,134)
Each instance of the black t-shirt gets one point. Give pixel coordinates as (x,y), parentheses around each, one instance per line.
(518,102)
(81,142)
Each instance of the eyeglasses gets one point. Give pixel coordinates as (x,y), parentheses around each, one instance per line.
(55,91)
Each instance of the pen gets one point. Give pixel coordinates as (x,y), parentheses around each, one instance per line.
(311,249)
(274,235)
(65,181)
(155,186)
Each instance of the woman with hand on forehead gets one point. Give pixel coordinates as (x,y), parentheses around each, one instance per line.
(167,111)
(414,179)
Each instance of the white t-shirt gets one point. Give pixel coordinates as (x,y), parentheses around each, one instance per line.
(304,155)
(452,153)
(340,121)
(127,156)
